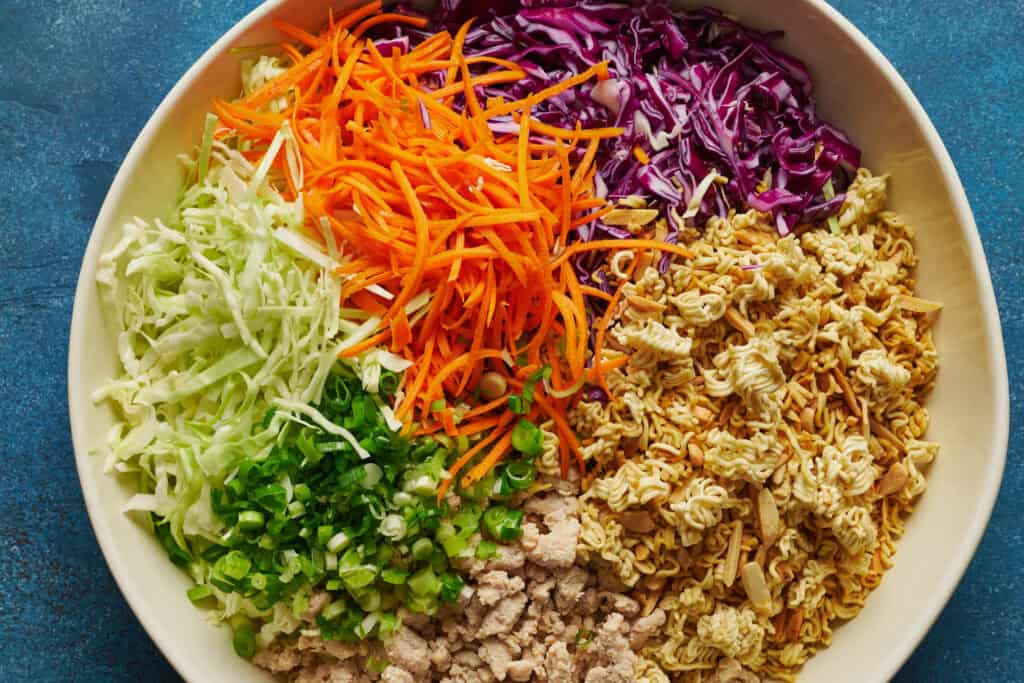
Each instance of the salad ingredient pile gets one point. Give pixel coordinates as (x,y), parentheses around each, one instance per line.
(553,342)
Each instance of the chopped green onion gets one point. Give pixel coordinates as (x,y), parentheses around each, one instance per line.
(250,520)
(531,382)
(302,492)
(376,664)
(517,405)
(373,475)
(234,565)
(369,600)
(394,576)
(424,582)
(339,541)
(389,625)
(527,438)
(333,610)
(258,581)
(422,549)
(198,593)
(366,626)
(503,524)
(451,587)
(359,577)
(453,542)
(393,527)
(244,642)
(485,550)
(517,476)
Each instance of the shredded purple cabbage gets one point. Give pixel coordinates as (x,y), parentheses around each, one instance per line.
(695,90)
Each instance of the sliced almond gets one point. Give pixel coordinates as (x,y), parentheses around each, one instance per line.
(807,419)
(916,304)
(649,600)
(883,432)
(666,448)
(633,201)
(654,583)
(848,395)
(629,218)
(779,622)
(695,454)
(751,238)
(726,414)
(637,521)
(761,556)
(702,414)
(877,565)
(732,555)
(797,393)
(768,517)
(643,261)
(794,624)
(894,480)
(736,319)
(684,559)
(756,587)
(645,305)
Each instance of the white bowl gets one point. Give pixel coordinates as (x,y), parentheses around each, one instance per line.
(862,94)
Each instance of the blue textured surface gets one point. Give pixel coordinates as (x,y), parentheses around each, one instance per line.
(79,79)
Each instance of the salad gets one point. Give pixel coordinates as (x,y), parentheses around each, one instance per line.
(559,341)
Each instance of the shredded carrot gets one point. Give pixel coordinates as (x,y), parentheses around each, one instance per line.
(466,230)
(641,155)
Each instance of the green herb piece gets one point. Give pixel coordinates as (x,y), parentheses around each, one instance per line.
(485,550)
(527,438)
(502,524)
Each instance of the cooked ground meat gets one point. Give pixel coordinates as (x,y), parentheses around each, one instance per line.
(529,614)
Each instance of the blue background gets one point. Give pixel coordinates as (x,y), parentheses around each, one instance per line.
(79,78)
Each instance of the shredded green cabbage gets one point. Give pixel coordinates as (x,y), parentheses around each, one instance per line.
(220,315)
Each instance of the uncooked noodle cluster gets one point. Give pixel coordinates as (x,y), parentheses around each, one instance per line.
(752,468)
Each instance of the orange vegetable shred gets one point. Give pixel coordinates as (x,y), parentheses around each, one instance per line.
(424,198)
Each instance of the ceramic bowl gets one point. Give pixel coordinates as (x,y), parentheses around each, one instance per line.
(860,91)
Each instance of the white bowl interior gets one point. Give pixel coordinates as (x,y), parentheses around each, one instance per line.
(863,95)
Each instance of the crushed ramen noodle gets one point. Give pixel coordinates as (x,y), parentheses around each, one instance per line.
(751,471)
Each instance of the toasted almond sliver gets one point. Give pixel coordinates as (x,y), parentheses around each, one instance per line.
(894,480)
(848,395)
(633,201)
(768,517)
(756,587)
(807,419)
(796,621)
(916,304)
(630,217)
(702,414)
(638,521)
(695,454)
(644,304)
(737,320)
(732,555)
(684,558)
(883,432)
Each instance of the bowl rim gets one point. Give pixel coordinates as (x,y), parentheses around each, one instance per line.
(161,633)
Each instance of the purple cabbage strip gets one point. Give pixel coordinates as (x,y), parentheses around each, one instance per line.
(695,90)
